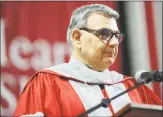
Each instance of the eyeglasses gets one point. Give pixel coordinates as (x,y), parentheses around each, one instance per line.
(105,34)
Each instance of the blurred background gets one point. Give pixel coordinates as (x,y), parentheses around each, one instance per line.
(33,37)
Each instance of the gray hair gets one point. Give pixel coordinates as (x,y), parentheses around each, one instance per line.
(79,17)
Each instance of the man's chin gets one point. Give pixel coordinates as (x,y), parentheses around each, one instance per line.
(109,61)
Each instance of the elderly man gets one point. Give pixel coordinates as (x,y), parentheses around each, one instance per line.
(70,89)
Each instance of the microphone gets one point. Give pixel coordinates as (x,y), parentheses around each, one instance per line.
(153,75)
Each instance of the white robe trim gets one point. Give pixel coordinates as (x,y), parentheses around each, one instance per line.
(92,95)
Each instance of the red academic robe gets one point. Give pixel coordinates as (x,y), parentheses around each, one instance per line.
(51,93)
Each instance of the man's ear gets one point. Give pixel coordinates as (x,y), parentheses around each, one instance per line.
(76,37)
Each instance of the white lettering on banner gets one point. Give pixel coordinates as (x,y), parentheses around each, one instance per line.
(40,50)
(42,55)
(19,45)
(60,50)
(3,44)
(7,94)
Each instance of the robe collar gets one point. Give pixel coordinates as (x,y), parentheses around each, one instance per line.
(84,73)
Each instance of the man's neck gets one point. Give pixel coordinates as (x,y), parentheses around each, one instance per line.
(86,63)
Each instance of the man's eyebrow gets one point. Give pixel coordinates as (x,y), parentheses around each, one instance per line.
(116,31)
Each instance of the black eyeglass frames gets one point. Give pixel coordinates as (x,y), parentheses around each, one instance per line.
(105,34)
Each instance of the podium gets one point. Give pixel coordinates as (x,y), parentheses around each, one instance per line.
(140,110)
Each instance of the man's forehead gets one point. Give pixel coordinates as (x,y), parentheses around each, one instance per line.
(112,24)
(97,21)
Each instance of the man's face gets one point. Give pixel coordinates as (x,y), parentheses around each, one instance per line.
(98,53)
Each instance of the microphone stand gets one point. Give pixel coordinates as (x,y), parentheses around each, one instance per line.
(105,102)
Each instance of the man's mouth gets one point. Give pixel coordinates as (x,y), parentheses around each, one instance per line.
(109,54)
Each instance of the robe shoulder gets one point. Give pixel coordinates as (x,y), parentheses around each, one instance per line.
(40,87)
(46,92)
